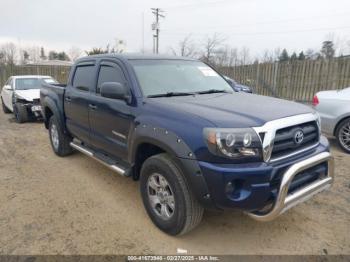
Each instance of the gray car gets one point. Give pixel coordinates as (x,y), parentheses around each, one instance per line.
(334,109)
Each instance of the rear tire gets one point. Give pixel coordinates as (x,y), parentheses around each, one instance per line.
(167,197)
(21,113)
(343,135)
(4,108)
(60,141)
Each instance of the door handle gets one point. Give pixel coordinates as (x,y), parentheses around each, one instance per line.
(93,107)
(68,99)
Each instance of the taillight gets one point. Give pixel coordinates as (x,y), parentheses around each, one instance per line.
(315,101)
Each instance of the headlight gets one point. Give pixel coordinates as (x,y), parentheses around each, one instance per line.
(233,142)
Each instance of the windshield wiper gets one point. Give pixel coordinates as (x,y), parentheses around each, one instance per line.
(169,94)
(212,91)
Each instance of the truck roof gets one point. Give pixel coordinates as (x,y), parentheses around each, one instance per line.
(136,56)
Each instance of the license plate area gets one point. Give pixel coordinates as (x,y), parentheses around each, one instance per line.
(36,108)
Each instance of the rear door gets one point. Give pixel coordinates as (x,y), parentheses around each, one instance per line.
(110,119)
(77,99)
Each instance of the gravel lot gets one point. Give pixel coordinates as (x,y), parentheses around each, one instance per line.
(74,205)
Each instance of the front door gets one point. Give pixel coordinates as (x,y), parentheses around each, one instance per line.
(110,119)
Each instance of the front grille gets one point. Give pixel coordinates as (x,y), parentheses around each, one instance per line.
(285,142)
(36,101)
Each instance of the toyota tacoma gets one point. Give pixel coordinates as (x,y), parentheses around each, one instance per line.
(176,125)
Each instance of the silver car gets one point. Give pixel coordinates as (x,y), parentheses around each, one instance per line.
(334,109)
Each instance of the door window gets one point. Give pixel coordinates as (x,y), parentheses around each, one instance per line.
(84,77)
(109,74)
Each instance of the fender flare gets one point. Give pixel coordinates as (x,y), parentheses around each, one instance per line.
(172,144)
(161,137)
(50,104)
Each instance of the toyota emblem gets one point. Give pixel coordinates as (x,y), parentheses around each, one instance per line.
(298,137)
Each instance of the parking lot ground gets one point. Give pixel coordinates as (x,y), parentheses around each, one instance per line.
(74,205)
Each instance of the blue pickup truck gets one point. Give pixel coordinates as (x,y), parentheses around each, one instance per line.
(175,125)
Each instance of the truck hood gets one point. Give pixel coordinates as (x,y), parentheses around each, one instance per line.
(28,95)
(234,110)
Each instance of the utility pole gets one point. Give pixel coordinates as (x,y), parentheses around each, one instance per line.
(155,27)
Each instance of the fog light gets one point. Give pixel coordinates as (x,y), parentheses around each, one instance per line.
(229,188)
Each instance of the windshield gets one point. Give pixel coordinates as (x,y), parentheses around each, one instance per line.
(32,83)
(177,76)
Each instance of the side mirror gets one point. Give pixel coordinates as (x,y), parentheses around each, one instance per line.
(8,87)
(115,90)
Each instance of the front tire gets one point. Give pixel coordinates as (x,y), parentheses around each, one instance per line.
(4,108)
(60,141)
(20,112)
(167,197)
(343,135)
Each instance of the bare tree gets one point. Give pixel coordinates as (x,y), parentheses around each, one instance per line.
(233,57)
(186,48)
(9,53)
(119,47)
(276,53)
(74,53)
(34,53)
(244,55)
(268,56)
(221,56)
(210,45)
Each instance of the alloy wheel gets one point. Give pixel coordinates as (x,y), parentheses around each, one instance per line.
(161,196)
(54,136)
(344,135)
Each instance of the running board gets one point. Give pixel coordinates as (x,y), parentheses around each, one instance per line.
(87,151)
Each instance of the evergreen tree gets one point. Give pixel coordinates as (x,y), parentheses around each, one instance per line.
(42,54)
(96,51)
(25,56)
(301,56)
(53,55)
(327,50)
(284,56)
(294,56)
(62,56)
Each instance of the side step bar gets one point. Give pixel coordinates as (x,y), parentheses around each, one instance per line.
(120,170)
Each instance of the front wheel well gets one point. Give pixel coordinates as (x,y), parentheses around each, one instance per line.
(144,151)
(48,113)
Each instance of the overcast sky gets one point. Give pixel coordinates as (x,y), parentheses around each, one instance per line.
(256,24)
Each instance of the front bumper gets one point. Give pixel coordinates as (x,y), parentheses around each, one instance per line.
(285,200)
(33,109)
(266,190)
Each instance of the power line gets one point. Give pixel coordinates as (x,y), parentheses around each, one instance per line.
(266,22)
(155,26)
(263,33)
(200,3)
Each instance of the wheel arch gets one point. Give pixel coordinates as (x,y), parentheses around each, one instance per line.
(143,148)
(50,109)
(160,140)
(338,123)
